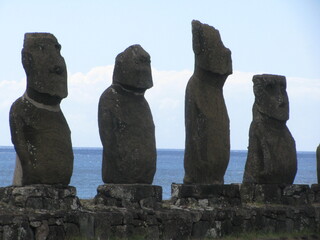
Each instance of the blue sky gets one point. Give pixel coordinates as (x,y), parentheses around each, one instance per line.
(278,37)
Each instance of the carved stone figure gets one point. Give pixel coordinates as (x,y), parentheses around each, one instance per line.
(125,122)
(272,157)
(207,148)
(318,163)
(40,133)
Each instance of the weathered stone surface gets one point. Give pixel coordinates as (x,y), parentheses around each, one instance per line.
(129,195)
(125,122)
(272,157)
(39,130)
(50,197)
(318,163)
(315,188)
(261,193)
(207,148)
(103,222)
(205,195)
(132,69)
(292,194)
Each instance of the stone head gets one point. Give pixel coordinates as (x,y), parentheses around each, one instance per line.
(44,66)
(271,96)
(132,68)
(210,53)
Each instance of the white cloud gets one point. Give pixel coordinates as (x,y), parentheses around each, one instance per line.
(169,103)
(166,100)
(9,92)
(303,88)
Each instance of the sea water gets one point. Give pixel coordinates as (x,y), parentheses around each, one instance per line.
(88,161)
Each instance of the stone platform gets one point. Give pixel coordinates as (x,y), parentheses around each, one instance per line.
(166,221)
(38,196)
(236,194)
(292,194)
(205,195)
(129,195)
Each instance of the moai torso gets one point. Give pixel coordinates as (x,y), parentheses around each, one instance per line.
(271,153)
(125,121)
(207,149)
(39,130)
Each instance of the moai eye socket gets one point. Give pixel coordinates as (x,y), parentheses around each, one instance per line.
(58,47)
(270,87)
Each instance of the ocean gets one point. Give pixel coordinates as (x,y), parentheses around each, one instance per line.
(87,169)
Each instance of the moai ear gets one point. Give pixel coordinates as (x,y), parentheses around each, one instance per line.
(258,86)
(196,36)
(27,61)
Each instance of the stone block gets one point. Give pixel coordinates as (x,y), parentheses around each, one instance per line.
(205,194)
(129,195)
(315,189)
(199,229)
(260,193)
(296,194)
(268,193)
(38,196)
(286,194)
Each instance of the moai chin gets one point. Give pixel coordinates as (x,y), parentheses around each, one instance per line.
(272,155)
(207,148)
(126,126)
(40,133)
(318,163)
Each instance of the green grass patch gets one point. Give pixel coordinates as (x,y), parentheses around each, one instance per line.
(272,235)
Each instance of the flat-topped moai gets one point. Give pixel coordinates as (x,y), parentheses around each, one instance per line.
(126,126)
(40,133)
(318,163)
(207,148)
(272,157)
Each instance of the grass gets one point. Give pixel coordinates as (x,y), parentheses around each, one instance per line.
(243,236)
(270,235)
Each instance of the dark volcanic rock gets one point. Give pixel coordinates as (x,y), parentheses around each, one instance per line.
(125,122)
(205,195)
(132,69)
(318,163)
(97,221)
(129,195)
(207,147)
(41,196)
(40,133)
(272,153)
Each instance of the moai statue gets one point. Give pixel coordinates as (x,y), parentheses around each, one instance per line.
(272,157)
(126,126)
(40,133)
(318,163)
(207,148)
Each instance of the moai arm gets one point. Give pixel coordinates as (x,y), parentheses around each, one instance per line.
(318,163)
(105,120)
(17,127)
(263,157)
(107,126)
(258,161)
